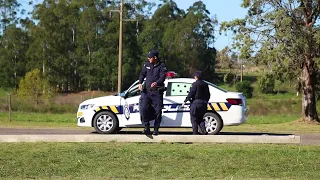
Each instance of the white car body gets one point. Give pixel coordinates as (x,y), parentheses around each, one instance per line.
(126,108)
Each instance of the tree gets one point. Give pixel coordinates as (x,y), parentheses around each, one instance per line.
(224,59)
(285,36)
(31,86)
(13,47)
(185,39)
(9,11)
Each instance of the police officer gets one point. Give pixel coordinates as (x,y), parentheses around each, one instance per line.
(152,92)
(198,96)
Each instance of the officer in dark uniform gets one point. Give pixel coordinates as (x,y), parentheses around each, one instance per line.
(198,96)
(152,92)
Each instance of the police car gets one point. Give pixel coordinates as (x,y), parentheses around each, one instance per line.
(109,114)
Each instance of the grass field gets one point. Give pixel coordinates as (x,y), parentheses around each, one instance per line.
(157,161)
(271,123)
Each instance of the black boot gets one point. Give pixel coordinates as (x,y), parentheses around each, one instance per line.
(146,129)
(204,131)
(156,130)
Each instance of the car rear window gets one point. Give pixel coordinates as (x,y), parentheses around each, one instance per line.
(215,86)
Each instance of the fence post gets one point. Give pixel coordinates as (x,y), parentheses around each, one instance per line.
(9,102)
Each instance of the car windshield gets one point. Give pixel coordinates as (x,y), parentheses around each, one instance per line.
(211,84)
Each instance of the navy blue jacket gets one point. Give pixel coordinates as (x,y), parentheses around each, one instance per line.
(153,73)
(198,90)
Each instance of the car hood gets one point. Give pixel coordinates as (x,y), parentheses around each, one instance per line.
(105,100)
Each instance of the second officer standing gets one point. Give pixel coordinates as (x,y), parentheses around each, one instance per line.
(198,96)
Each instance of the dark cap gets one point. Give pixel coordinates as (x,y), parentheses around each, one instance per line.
(198,74)
(153,53)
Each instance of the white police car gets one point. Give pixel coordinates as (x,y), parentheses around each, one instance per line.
(109,114)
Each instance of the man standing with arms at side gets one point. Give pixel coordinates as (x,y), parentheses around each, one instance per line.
(152,93)
(198,96)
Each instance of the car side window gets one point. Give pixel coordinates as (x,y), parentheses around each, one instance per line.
(178,89)
(134,91)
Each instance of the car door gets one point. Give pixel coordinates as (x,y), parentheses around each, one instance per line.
(130,105)
(173,114)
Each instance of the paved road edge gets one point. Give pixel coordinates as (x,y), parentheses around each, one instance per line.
(268,139)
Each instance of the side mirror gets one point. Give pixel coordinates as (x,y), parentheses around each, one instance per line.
(123,94)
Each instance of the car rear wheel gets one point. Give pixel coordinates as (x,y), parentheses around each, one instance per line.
(105,123)
(213,123)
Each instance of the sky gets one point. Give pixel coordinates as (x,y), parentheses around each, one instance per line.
(224,10)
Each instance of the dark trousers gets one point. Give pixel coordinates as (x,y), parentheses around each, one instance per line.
(150,106)
(197,110)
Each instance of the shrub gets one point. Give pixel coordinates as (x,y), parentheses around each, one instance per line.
(230,78)
(246,88)
(266,83)
(34,86)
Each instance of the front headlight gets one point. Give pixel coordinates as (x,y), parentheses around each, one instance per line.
(86,106)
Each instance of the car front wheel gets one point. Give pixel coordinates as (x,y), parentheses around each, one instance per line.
(213,123)
(105,123)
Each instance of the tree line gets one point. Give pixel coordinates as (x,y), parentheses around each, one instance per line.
(75,42)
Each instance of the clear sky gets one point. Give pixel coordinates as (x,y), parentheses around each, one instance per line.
(224,10)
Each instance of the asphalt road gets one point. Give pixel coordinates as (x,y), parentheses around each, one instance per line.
(306,139)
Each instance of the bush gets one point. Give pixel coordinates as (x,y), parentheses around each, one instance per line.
(34,87)
(246,88)
(266,83)
(230,78)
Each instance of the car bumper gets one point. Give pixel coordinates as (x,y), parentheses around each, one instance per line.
(84,118)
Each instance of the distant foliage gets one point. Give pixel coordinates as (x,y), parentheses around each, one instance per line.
(246,88)
(230,78)
(266,83)
(33,86)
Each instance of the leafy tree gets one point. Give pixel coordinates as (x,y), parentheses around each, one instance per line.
(9,10)
(13,46)
(266,83)
(31,86)
(285,36)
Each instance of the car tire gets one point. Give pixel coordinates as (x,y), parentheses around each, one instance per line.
(105,123)
(213,123)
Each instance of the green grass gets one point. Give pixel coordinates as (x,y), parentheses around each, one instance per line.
(271,119)
(22,119)
(270,123)
(277,96)
(292,127)
(157,161)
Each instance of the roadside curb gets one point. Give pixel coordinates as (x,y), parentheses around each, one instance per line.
(264,139)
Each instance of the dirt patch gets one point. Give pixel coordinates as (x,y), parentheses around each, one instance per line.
(303,121)
(77,98)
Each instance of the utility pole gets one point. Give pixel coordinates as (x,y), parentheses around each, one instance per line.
(241,67)
(241,70)
(120,11)
(9,106)
(120,49)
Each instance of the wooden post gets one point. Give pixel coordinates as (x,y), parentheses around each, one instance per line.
(9,99)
